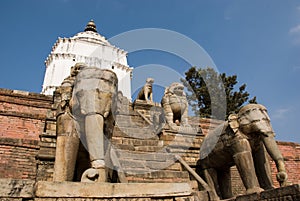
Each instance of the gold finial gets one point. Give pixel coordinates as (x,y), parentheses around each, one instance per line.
(91,26)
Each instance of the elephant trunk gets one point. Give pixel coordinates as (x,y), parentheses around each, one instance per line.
(274,152)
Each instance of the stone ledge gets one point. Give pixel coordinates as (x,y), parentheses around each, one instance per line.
(25,94)
(110,190)
(280,192)
(288,193)
(15,142)
(23,115)
(13,188)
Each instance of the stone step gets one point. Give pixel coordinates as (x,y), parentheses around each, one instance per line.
(148,148)
(132,120)
(123,147)
(190,156)
(148,166)
(131,123)
(144,156)
(50,134)
(134,142)
(157,180)
(138,132)
(182,140)
(169,137)
(47,144)
(136,148)
(158,176)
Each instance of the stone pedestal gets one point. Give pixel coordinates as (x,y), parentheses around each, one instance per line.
(18,190)
(110,190)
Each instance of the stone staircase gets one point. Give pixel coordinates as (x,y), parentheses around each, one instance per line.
(142,155)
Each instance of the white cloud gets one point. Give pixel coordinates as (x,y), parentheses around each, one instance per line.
(295,35)
(280,113)
(295,30)
(296,68)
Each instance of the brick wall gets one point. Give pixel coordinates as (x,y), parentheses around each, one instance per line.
(17,158)
(22,120)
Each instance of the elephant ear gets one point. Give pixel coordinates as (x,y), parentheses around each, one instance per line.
(233,122)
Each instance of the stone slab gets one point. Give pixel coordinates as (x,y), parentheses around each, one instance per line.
(281,192)
(288,193)
(16,188)
(111,190)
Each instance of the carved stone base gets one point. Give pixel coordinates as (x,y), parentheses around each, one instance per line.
(110,190)
(17,190)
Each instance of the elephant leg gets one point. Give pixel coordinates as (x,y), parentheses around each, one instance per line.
(65,158)
(224,180)
(94,124)
(210,177)
(262,167)
(244,163)
(67,144)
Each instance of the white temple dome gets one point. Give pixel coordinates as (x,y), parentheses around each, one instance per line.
(88,47)
(90,34)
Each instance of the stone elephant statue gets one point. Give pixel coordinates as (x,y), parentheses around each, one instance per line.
(87,102)
(243,141)
(93,105)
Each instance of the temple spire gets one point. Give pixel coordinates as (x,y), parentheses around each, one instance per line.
(91,26)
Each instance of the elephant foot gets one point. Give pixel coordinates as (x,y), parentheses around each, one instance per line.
(96,164)
(282,178)
(254,190)
(94,175)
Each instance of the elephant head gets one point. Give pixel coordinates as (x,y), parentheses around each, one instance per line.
(95,91)
(253,118)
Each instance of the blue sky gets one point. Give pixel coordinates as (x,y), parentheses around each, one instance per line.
(259,41)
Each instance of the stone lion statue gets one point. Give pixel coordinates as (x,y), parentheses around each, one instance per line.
(175,105)
(146,92)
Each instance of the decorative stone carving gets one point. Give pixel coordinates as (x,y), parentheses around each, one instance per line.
(241,141)
(175,105)
(146,92)
(85,115)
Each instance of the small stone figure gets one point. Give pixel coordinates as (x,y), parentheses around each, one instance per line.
(146,92)
(94,103)
(175,105)
(67,138)
(241,141)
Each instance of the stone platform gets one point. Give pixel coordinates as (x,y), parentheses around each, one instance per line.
(111,190)
(29,190)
